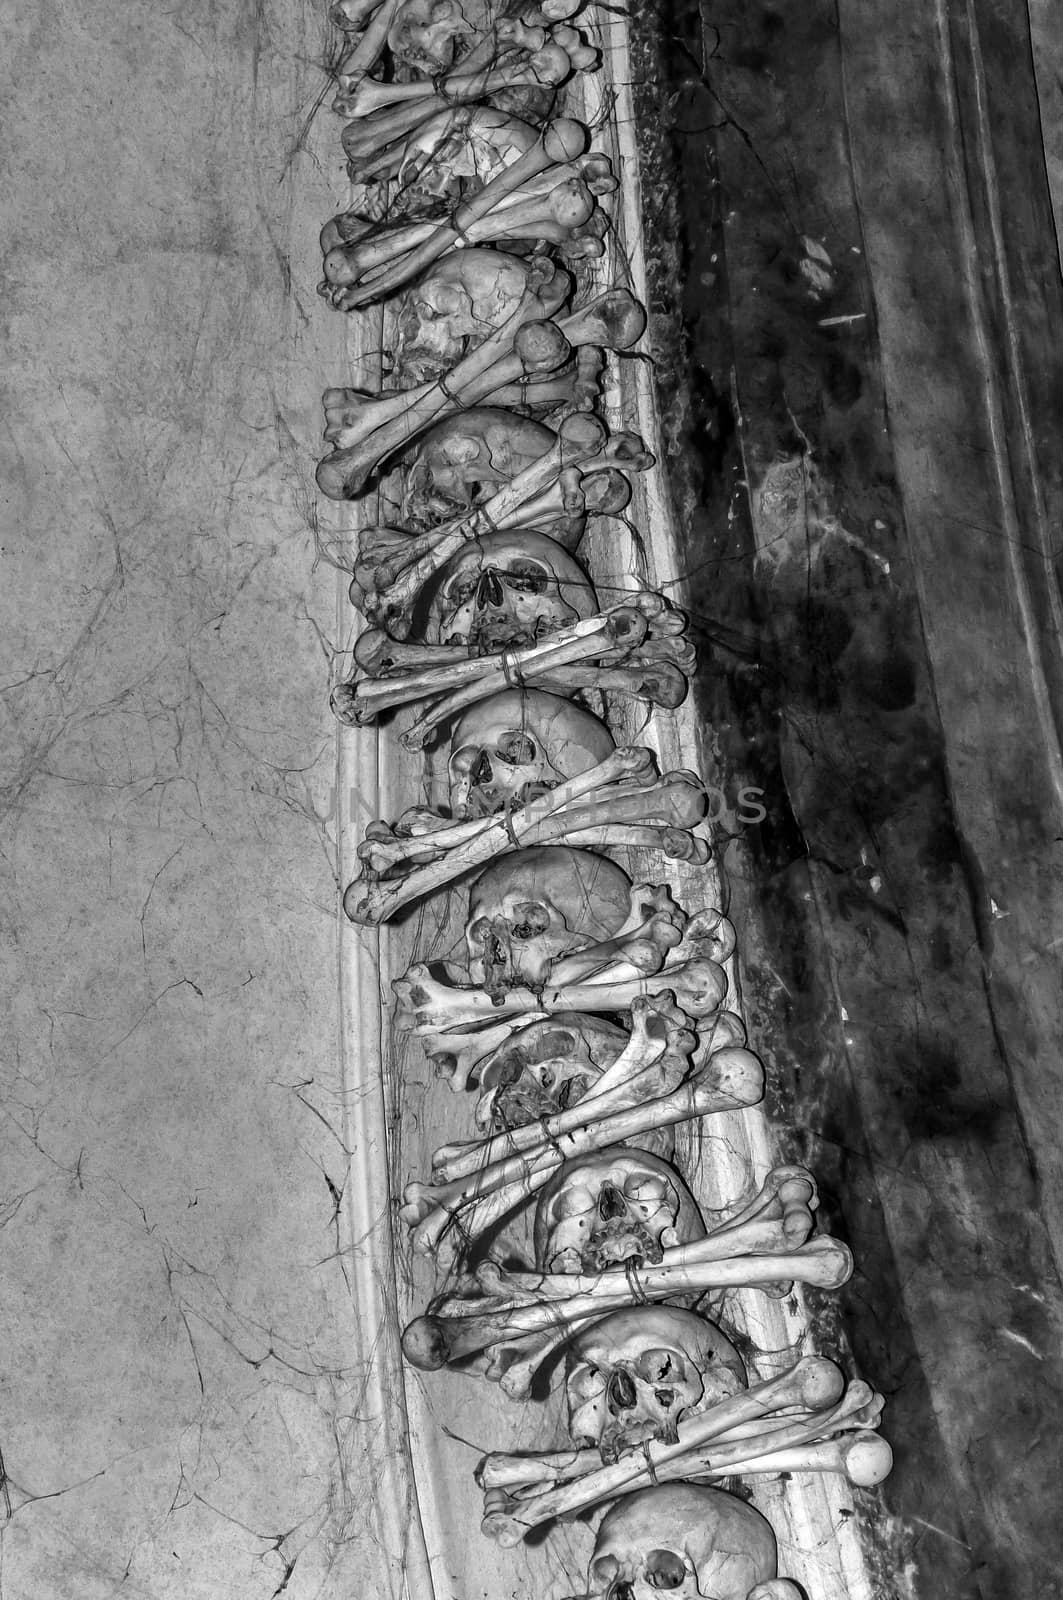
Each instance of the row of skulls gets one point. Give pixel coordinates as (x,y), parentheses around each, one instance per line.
(588,1013)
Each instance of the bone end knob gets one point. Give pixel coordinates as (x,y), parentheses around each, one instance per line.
(868,1459)
(564,139)
(425,1345)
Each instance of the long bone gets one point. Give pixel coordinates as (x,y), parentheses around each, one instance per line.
(378,147)
(863,1458)
(372,428)
(814,1382)
(517,23)
(672,805)
(389,578)
(456,1328)
(728,1081)
(757,1444)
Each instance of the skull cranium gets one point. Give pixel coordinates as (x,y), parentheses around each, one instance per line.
(455,306)
(464,460)
(632,1376)
(518,744)
(618,1207)
(506,589)
(432,35)
(697,1543)
(537,904)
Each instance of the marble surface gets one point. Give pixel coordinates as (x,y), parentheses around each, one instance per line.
(179,1394)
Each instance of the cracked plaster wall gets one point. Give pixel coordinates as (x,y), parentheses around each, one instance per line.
(177,1396)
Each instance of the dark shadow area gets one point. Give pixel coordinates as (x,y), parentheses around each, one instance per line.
(864,915)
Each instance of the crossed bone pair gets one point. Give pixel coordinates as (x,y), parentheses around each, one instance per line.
(807,1419)
(636,645)
(659,952)
(520,31)
(366,429)
(621,801)
(518,1319)
(538,57)
(643,1090)
(548,193)
(580,473)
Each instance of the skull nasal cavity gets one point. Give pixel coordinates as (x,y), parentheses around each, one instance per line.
(490,591)
(621,1393)
(610,1203)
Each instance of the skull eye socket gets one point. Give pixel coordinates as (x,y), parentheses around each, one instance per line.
(646,1186)
(664,1569)
(557,1044)
(515,748)
(530,921)
(586,1384)
(574,1202)
(478,930)
(656,1365)
(527,577)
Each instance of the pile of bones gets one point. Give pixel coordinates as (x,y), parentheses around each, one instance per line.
(587,1017)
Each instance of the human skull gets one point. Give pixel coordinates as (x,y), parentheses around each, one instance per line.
(633,1376)
(459,302)
(504,590)
(464,460)
(618,1207)
(545,1068)
(696,1543)
(535,905)
(431,36)
(454,154)
(518,744)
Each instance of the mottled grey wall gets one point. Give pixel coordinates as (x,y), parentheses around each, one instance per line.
(176,1384)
